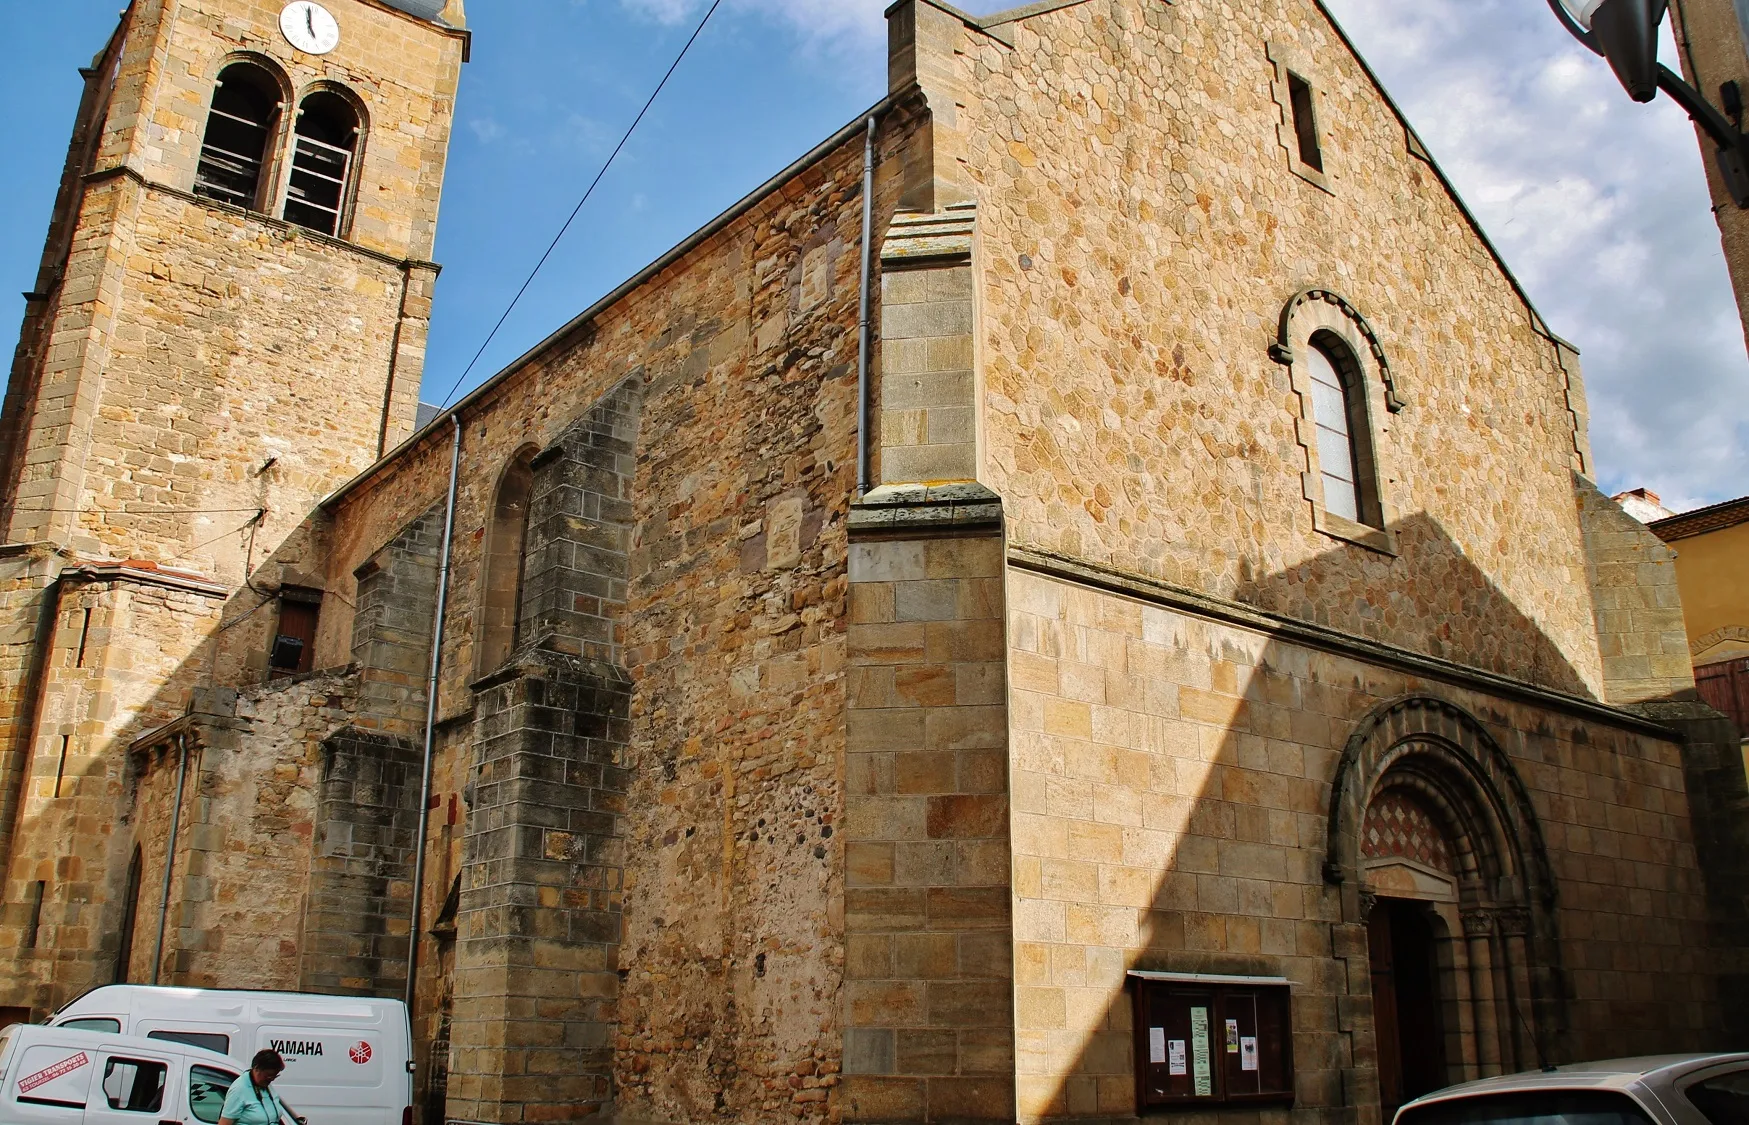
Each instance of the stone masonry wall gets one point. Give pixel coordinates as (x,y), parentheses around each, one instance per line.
(746,349)
(542,883)
(108,676)
(1172,779)
(237,901)
(367,802)
(1640,628)
(928,997)
(1141,230)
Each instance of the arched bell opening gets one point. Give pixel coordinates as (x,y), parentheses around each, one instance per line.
(1440,862)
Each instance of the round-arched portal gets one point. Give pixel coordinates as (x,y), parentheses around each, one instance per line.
(1440,861)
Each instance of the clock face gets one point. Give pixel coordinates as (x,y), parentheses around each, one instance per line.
(309,27)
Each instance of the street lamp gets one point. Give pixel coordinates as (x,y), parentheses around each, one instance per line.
(1625,32)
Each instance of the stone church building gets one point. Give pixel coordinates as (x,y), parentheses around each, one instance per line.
(1083,596)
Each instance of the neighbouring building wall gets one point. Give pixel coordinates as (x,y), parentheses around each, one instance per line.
(1172,787)
(1142,227)
(1712,574)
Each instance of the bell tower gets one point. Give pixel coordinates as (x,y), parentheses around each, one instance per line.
(1712,38)
(229,322)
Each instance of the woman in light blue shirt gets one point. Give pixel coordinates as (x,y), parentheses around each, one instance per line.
(251,1100)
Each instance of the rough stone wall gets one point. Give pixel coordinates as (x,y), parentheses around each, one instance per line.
(105,680)
(1640,627)
(241,881)
(187,386)
(367,801)
(746,350)
(1172,779)
(185,301)
(361,866)
(1141,229)
(541,895)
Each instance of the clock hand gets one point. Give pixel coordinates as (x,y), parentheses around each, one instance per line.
(310,18)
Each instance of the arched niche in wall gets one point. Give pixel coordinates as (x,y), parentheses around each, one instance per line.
(499,611)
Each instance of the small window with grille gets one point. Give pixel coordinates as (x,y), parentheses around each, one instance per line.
(324,152)
(239,128)
(294,642)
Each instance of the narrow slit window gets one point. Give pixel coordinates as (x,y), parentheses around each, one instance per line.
(34,923)
(61,768)
(239,126)
(324,149)
(1305,122)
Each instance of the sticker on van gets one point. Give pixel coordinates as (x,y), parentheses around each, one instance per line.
(49,1073)
(323,1057)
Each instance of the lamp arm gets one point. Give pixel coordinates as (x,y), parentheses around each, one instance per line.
(1723,133)
(1733,151)
(1572,25)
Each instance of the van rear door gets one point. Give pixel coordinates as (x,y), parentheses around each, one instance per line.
(48,1081)
(336,1076)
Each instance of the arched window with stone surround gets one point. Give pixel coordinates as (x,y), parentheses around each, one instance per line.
(240,127)
(1346,393)
(1344,445)
(499,615)
(325,147)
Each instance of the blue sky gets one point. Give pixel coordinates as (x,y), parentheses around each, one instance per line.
(1598,203)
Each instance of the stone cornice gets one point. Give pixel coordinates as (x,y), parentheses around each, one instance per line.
(1303,633)
(128,172)
(146,576)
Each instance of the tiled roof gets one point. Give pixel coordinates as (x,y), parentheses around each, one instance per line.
(1702,520)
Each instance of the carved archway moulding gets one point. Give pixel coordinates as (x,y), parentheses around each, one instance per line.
(1425,736)
(1499,951)
(1283,349)
(1719,636)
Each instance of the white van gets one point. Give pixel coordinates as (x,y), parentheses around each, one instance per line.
(61,1076)
(348,1059)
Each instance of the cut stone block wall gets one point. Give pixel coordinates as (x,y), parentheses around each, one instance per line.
(361,869)
(928,947)
(1172,780)
(1640,627)
(538,932)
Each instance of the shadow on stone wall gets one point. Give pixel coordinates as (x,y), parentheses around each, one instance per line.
(1621,963)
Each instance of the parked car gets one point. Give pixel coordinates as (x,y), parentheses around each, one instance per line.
(64,1076)
(348,1059)
(1655,1090)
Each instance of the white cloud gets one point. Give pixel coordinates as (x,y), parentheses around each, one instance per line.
(1600,206)
(485,129)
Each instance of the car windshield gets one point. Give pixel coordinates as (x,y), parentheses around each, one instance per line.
(1530,1107)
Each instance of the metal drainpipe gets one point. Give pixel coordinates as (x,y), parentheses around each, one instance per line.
(170,853)
(455,465)
(864,473)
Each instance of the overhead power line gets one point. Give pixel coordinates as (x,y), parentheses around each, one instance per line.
(490,336)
